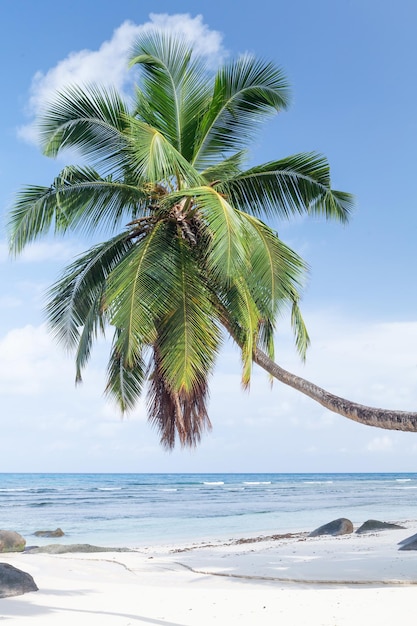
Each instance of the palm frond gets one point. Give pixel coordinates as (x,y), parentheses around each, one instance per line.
(93,323)
(124,384)
(75,300)
(224,231)
(138,291)
(175,83)
(276,273)
(79,199)
(245,92)
(294,185)
(242,318)
(275,279)
(92,120)
(225,169)
(188,336)
(155,159)
(302,339)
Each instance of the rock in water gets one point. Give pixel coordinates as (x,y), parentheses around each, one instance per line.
(374,524)
(14,582)
(59,548)
(49,533)
(341,526)
(10,541)
(410,543)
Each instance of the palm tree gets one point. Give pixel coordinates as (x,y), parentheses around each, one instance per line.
(186,253)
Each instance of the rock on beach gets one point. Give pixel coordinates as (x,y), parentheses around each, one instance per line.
(14,582)
(341,526)
(59,548)
(374,524)
(11,541)
(409,543)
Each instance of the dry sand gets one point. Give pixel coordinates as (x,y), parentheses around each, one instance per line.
(354,580)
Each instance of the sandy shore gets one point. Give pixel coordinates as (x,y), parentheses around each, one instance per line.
(293,581)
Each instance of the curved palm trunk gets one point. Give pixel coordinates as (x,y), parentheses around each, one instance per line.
(370,416)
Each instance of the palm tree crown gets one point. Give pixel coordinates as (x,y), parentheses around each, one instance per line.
(189,253)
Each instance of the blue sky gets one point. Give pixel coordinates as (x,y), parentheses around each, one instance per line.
(351,64)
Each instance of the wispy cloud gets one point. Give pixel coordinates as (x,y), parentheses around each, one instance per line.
(380,444)
(108,66)
(37,377)
(29,363)
(43,251)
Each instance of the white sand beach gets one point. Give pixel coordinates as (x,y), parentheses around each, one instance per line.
(324,581)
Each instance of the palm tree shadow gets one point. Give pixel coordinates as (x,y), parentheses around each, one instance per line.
(12,608)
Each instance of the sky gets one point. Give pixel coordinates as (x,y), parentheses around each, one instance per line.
(351,64)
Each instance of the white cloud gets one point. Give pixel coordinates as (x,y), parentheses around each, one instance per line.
(205,41)
(108,65)
(50,251)
(368,362)
(380,444)
(41,251)
(29,364)
(252,429)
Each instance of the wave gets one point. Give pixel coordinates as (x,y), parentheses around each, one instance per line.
(219,482)
(260,482)
(318,482)
(109,488)
(403,480)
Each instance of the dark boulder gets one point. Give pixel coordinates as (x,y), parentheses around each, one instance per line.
(49,533)
(341,526)
(10,541)
(374,524)
(14,582)
(409,543)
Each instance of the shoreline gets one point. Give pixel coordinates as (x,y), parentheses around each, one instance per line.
(293,578)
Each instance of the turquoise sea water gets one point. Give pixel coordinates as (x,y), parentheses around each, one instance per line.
(145,509)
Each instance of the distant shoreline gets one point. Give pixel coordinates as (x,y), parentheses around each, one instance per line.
(138,510)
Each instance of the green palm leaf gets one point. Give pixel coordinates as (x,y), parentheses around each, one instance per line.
(92,120)
(275,278)
(93,323)
(75,300)
(302,339)
(188,337)
(225,169)
(294,185)
(124,384)
(138,291)
(174,89)
(224,231)
(276,272)
(240,315)
(78,199)
(245,92)
(154,158)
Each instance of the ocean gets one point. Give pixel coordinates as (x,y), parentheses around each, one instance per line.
(147,509)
